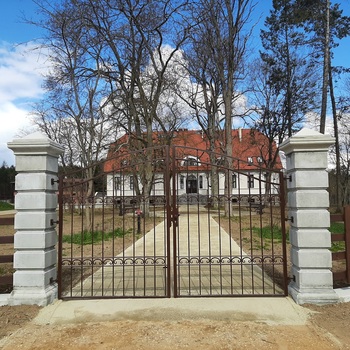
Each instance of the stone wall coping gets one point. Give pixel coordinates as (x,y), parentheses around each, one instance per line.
(307,140)
(35,144)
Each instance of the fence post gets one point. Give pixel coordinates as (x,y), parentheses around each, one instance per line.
(308,202)
(347,241)
(35,255)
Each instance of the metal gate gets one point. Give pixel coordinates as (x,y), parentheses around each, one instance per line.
(205,225)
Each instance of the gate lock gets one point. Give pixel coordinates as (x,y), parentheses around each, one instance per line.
(175,216)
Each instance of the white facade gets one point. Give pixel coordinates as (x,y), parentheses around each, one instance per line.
(243,184)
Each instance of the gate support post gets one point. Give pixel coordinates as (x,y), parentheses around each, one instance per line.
(308,203)
(35,257)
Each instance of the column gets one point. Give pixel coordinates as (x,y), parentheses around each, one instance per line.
(309,218)
(35,257)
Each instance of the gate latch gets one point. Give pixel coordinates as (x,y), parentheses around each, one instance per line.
(175,216)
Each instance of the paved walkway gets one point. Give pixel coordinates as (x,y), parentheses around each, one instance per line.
(208,264)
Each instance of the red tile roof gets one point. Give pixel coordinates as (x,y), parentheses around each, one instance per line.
(246,143)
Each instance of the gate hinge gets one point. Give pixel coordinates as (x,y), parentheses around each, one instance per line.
(289,178)
(54,222)
(291,219)
(52,280)
(53,181)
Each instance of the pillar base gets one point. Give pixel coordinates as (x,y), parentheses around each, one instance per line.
(314,296)
(33,296)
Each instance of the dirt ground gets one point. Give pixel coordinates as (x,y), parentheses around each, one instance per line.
(328,328)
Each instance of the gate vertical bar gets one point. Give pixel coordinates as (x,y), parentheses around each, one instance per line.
(174,220)
(284,234)
(60,235)
(168,220)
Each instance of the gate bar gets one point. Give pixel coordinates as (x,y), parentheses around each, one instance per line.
(168,224)
(174,207)
(284,234)
(60,235)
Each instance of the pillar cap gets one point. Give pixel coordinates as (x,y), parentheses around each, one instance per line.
(307,140)
(35,143)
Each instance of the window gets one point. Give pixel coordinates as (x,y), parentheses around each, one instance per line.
(250,160)
(200,181)
(182,182)
(117,183)
(250,181)
(234,181)
(260,160)
(131,181)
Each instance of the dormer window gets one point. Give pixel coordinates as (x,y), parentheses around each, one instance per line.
(259,159)
(190,161)
(250,160)
(220,161)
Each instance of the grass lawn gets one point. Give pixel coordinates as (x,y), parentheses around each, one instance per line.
(6,206)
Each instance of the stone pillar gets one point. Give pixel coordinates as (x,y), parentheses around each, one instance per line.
(308,203)
(35,257)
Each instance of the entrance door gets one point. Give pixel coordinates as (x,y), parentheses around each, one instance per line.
(191,184)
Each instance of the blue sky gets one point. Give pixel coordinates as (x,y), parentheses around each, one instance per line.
(21,66)
(21,69)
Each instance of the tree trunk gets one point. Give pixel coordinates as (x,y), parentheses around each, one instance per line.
(336,135)
(89,201)
(214,182)
(228,151)
(326,61)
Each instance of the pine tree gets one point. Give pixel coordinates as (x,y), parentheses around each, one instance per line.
(290,75)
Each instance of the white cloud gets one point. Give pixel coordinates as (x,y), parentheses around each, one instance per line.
(312,121)
(21,69)
(13,119)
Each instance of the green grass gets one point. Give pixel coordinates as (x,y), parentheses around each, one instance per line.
(337,227)
(268,232)
(268,235)
(6,206)
(337,247)
(87,237)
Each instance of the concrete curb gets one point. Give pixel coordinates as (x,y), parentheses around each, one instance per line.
(271,311)
(343,294)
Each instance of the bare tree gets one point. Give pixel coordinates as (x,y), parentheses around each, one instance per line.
(111,66)
(137,66)
(74,111)
(218,46)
